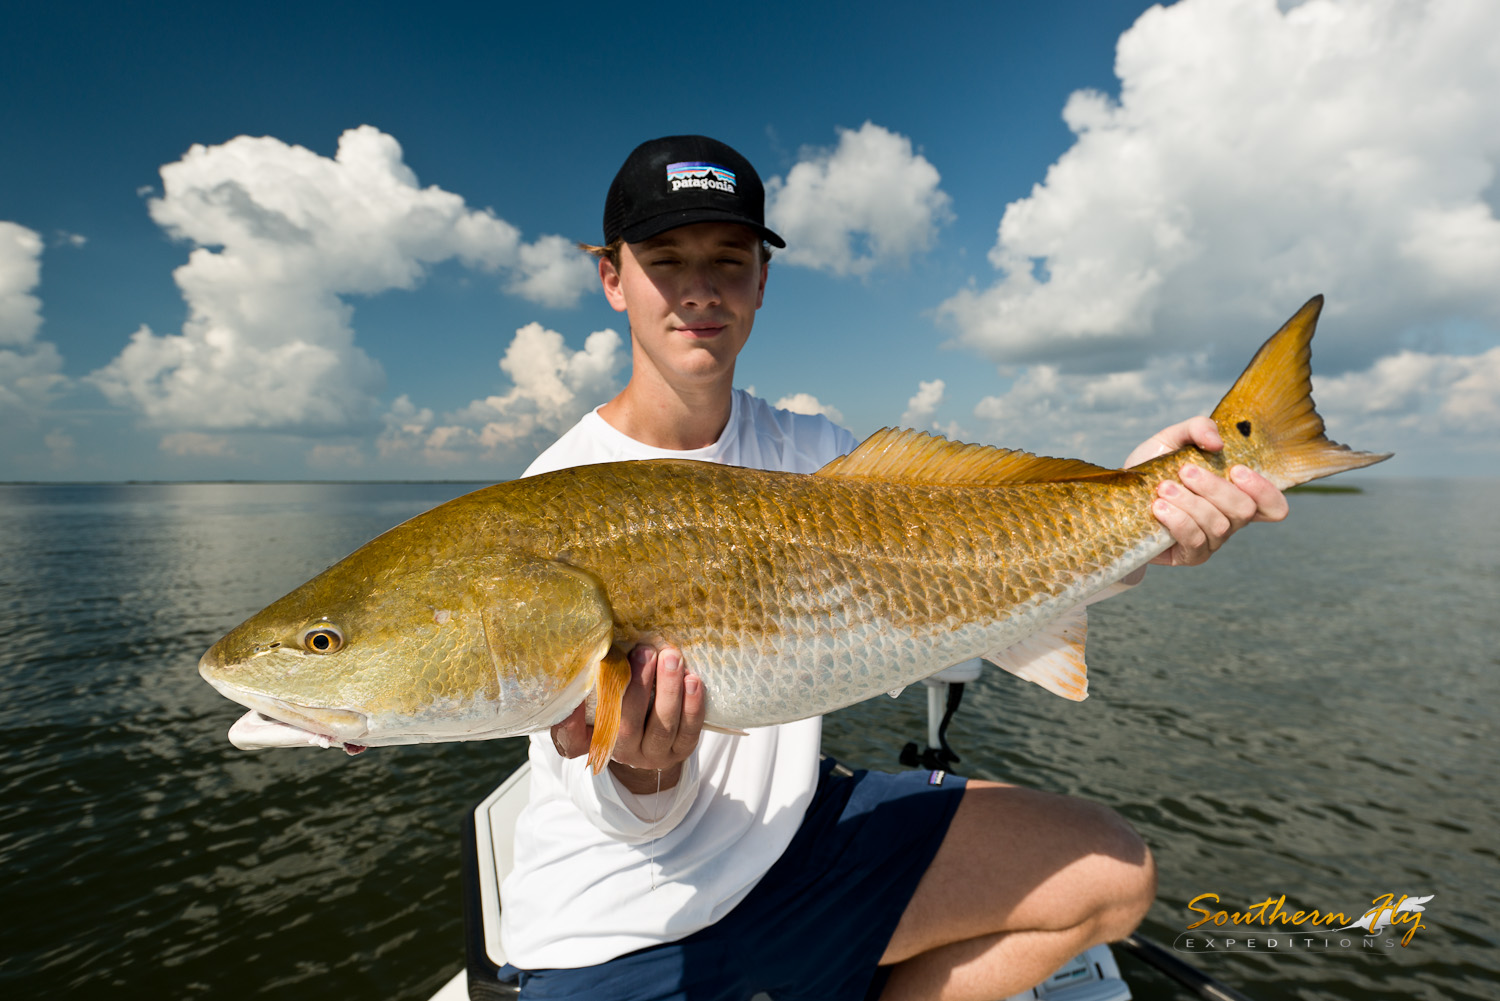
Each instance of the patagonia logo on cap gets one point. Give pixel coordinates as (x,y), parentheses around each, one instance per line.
(700,174)
(705,181)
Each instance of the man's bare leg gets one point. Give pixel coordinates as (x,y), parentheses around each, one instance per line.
(1023,881)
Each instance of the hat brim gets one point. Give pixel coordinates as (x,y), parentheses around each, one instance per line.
(658,224)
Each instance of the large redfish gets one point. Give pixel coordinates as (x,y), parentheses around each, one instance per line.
(789,595)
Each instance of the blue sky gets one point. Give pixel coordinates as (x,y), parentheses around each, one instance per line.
(331,240)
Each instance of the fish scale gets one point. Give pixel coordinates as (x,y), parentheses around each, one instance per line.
(849,579)
(789,595)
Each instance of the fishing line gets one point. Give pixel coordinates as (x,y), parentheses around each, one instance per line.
(651,861)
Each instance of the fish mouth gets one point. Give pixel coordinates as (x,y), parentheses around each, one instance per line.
(256,731)
(272,722)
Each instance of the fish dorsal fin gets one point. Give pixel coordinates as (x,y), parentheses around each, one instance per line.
(919,457)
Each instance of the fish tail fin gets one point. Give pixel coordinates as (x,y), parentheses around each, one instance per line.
(1268,420)
(609,687)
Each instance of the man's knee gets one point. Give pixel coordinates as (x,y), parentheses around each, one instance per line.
(1129,891)
(1096,858)
(1114,834)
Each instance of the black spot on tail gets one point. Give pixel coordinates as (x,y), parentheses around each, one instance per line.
(1244,428)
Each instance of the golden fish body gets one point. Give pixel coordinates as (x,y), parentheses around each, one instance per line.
(790,595)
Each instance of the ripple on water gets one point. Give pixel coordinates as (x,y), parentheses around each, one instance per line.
(1272,723)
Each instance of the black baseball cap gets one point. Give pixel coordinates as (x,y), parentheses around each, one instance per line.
(678,180)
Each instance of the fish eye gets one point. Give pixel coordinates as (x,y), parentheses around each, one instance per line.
(322,638)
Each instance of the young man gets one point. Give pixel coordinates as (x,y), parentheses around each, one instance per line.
(706,866)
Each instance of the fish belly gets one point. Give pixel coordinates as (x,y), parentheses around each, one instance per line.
(794,596)
(817,662)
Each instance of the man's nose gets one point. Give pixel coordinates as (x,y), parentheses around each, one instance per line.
(701,288)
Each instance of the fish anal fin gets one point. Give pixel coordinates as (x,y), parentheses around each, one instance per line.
(1052,658)
(609,687)
(917,457)
(716,728)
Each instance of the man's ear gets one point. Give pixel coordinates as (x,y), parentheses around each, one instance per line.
(760,294)
(609,277)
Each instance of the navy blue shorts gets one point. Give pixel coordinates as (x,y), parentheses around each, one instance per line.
(817,923)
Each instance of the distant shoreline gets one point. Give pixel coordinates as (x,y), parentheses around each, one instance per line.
(1306,488)
(172,483)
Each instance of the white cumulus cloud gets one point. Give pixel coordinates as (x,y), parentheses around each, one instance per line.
(20,273)
(30,369)
(806,403)
(196,445)
(552,387)
(329,458)
(61,448)
(1254,157)
(552,271)
(1095,417)
(282,236)
(870,201)
(1436,394)
(1411,403)
(921,407)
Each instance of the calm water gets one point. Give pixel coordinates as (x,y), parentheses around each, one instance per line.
(1312,714)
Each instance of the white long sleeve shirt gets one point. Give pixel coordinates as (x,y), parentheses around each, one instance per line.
(599,871)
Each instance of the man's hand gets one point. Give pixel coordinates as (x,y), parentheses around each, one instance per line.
(1203,510)
(661,717)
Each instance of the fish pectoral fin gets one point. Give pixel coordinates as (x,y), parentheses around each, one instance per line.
(716,728)
(609,687)
(1052,658)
